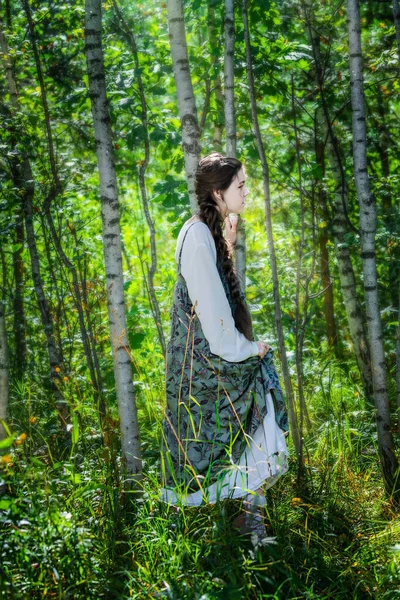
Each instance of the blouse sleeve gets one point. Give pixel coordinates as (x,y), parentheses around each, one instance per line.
(207,294)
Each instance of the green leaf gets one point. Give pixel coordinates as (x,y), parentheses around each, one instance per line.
(7,442)
(75,429)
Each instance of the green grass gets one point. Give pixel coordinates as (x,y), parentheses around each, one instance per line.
(68,531)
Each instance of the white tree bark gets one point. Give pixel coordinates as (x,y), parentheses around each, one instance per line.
(229,83)
(230,123)
(347,278)
(367,234)
(4,373)
(271,246)
(112,243)
(186,101)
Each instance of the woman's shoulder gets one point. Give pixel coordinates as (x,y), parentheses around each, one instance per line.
(197,230)
(195,233)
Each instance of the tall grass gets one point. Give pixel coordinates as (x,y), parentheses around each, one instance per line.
(68,530)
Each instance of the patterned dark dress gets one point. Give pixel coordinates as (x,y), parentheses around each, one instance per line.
(213,407)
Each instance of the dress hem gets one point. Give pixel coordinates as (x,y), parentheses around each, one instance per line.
(168,496)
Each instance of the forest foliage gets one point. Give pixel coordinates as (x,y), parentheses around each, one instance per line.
(68,527)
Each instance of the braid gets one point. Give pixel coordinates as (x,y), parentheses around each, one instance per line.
(217,172)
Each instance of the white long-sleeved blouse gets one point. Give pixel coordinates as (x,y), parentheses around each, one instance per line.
(199,269)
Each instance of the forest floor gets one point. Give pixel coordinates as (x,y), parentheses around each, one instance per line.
(69,532)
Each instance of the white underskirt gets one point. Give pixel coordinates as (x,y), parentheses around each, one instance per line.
(259,465)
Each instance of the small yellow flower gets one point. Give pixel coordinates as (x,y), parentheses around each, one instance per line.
(6,459)
(65,378)
(23,436)
(57,369)
(32,420)
(295,501)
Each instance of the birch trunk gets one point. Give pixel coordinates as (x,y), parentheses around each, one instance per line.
(367,234)
(229,85)
(347,278)
(271,247)
(219,100)
(112,244)
(230,123)
(186,101)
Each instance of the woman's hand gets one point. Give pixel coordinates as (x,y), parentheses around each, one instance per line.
(230,228)
(262,348)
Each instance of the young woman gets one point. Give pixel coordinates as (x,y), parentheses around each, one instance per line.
(225,421)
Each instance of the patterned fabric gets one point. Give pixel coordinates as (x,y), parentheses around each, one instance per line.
(211,403)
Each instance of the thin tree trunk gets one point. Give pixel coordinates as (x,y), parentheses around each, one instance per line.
(18,264)
(301,320)
(340,221)
(4,363)
(155,307)
(112,244)
(327,283)
(98,382)
(229,79)
(54,191)
(24,182)
(390,213)
(18,305)
(219,100)
(398,366)
(271,247)
(230,121)
(186,100)
(367,234)
(396,16)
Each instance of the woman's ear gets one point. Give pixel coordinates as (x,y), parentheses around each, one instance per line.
(216,194)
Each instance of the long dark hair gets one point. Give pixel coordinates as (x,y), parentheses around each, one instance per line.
(216,172)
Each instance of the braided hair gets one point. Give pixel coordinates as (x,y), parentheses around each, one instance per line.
(216,172)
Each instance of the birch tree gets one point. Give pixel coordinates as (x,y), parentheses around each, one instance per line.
(368,220)
(186,101)
(340,222)
(112,243)
(230,120)
(271,246)
(218,122)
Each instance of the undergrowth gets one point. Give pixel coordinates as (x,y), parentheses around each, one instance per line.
(69,531)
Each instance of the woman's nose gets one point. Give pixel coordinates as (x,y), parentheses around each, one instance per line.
(246,191)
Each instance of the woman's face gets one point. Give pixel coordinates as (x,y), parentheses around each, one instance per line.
(233,199)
